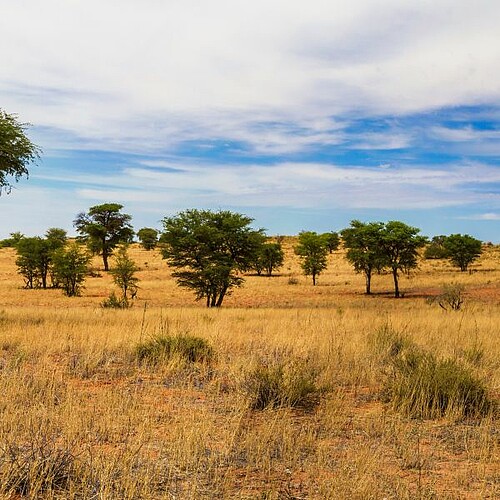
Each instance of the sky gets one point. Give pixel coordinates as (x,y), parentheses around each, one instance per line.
(302,115)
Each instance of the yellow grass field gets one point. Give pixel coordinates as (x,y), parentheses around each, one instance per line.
(82,418)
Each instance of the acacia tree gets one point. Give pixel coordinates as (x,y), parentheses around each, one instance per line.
(364,249)
(16,150)
(436,248)
(209,250)
(148,237)
(33,261)
(399,245)
(462,250)
(313,251)
(56,238)
(269,258)
(332,241)
(123,273)
(103,228)
(71,266)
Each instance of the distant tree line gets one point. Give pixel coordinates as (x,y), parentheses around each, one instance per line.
(211,250)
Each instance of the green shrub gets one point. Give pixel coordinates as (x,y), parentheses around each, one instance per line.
(114,302)
(279,384)
(162,348)
(423,386)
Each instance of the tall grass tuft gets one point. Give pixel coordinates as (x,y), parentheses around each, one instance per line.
(387,344)
(278,384)
(163,348)
(423,386)
(39,467)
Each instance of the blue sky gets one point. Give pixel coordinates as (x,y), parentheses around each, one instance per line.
(303,115)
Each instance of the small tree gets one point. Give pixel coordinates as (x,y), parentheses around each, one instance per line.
(399,245)
(462,250)
(123,273)
(148,237)
(12,241)
(364,249)
(208,250)
(71,266)
(269,258)
(56,237)
(332,241)
(103,228)
(34,259)
(436,249)
(17,152)
(313,252)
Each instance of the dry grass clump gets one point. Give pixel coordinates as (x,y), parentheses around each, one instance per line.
(186,347)
(39,467)
(420,385)
(423,386)
(280,383)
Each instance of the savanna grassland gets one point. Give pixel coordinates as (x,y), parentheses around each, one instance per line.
(83,417)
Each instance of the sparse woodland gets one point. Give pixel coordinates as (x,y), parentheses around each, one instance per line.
(289,391)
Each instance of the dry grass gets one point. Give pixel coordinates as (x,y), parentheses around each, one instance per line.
(82,418)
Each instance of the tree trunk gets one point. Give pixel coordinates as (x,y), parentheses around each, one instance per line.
(105,260)
(221,296)
(368,279)
(396,284)
(314,279)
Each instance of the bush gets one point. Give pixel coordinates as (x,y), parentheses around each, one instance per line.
(114,302)
(424,387)
(71,266)
(279,384)
(451,297)
(162,348)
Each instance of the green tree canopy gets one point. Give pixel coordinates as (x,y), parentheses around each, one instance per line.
(56,237)
(400,244)
(33,261)
(269,258)
(148,237)
(209,250)
(35,254)
(103,228)
(123,273)
(17,152)
(436,249)
(462,250)
(313,252)
(332,241)
(364,248)
(71,266)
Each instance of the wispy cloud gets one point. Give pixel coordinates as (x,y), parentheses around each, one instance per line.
(154,74)
(287,184)
(489,216)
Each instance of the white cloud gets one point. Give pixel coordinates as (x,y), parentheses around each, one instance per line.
(306,185)
(464,134)
(489,216)
(143,75)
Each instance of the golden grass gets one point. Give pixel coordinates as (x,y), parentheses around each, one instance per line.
(81,418)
